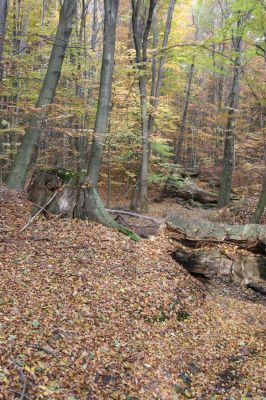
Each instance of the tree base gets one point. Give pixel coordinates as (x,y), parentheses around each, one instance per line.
(72,201)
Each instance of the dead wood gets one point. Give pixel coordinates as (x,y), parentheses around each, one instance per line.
(135,215)
(241,268)
(250,236)
(41,209)
(185,188)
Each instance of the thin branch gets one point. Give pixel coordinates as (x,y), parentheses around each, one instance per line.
(23,379)
(38,212)
(131,214)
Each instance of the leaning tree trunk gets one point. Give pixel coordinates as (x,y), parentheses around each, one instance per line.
(229,145)
(3,15)
(261,204)
(28,148)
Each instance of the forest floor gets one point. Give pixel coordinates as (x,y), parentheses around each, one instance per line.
(88,314)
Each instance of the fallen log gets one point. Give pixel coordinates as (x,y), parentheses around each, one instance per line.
(250,236)
(182,186)
(179,187)
(241,268)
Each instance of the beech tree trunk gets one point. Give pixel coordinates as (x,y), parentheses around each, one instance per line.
(261,204)
(140,37)
(3,15)
(159,79)
(229,145)
(186,189)
(179,146)
(154,102)
(79,198)
(26,154)
(105,92)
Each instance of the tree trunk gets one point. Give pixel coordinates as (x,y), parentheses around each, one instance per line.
(180,142)
(229,146)
(261,204)
(158,81)
(155,93)
(94,26)
(186,189)
(105,93)
(3,15)
(28,148)
(141,43)
(81,199)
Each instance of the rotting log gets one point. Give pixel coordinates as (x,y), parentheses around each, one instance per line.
(181,186)
(250,236)
(185,188)
(201,251)
(241,268)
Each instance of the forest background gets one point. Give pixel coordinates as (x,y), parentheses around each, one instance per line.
(190,112)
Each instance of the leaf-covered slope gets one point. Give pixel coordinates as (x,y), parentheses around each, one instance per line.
(87,314)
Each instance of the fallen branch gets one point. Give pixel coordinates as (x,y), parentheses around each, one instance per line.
(257,288)
(131,214)
(23,379)
(38,212)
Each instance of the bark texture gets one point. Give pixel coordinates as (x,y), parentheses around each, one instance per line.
(3,15)
(202,251)
(105,92)
(243,269)
(261,204)
(79,198)
(140,36)
(250,236)
(157,78)
(229,145)
(72,200)
(181,137)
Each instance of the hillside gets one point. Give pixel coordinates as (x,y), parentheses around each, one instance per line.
(87,314)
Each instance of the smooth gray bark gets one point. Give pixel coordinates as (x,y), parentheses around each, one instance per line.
(229,145)
(3,15)
(249,236)
(28,148)
(261,204)
(94,26)
(158,81)
(105,92)
(140,36)
(81,199)
(157,78)
(181,137)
